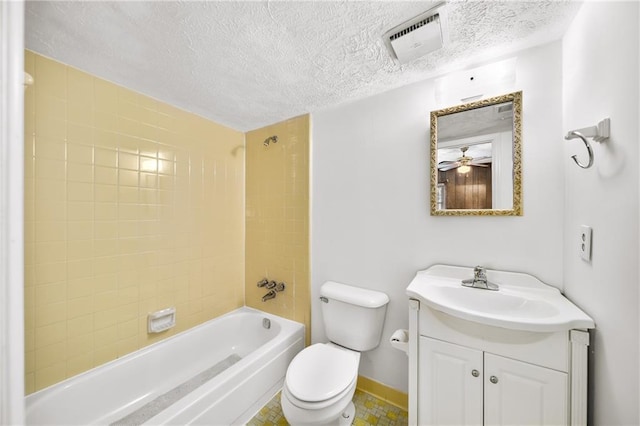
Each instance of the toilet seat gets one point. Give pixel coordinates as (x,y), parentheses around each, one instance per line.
(321,372)
(318,406)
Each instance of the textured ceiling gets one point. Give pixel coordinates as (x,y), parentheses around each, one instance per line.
(250,64)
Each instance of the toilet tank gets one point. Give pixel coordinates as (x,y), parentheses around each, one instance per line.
(353,317)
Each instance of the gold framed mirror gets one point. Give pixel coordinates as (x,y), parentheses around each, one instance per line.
(476,158)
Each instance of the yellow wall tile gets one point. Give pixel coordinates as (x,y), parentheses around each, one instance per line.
(51,313)
(79,230)
(50,127)
(105,193)
(80,88)
(80,326)
(106,157)
(49,375)
(46,190)
(105,176)
(52,354)
(127,345)
(79,191)
(48,273)
(105,265)
(79,113)
(79,133)
(51,76)
(79,211)
(51,148)
(105,354)
(50,169)
(79,363)
(105,121)
(82,154)
(106,96)
(108,227)
(80,306)
(80,249)
(277,220)
(127,161)
(80,287)
(50,211)
(80,172)
(51,231)
(79,268)
(30,360)
(50,334)
(50,251)
(52,106)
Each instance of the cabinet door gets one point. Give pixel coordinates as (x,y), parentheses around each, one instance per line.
(518,393)
(449,384)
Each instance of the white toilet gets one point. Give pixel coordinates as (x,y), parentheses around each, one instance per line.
(321,379)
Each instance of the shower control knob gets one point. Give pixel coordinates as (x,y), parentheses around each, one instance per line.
(271,284)
(280,287)
(475,373)
(263,282)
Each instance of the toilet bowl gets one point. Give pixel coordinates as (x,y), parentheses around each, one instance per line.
(319,386)
(321,379)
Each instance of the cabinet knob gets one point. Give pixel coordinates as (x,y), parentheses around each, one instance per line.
(475,373)
(493,379)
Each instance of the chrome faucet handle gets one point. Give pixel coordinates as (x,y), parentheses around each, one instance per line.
(263,282)
(479,273)
(280,287)
(480,280)
(271,285)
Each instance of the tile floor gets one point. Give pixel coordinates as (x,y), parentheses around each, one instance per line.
(369,411)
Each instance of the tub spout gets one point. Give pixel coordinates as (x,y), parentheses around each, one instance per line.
(270,295)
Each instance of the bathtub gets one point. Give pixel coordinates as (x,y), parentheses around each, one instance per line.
(218,373)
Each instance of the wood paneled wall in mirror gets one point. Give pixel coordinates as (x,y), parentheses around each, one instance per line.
(476,160)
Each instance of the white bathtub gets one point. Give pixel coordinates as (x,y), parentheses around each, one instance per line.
(164,383)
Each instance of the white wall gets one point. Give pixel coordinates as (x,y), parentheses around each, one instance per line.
(371,225)
(600,79)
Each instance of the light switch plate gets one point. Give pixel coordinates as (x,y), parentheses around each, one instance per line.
(584,243)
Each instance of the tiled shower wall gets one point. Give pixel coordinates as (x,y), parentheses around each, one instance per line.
(277,223)
(131,206)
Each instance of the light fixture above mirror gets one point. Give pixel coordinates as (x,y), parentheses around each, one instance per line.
(476,158)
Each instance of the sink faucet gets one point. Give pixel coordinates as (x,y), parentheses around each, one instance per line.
(479,280)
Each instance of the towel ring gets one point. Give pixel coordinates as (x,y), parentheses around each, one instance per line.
(598,133)
(575,134)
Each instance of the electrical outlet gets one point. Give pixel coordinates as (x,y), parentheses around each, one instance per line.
(585,243)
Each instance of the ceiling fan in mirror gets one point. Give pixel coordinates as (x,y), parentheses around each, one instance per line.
(464,163)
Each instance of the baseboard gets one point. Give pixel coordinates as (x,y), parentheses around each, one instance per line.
(384,392)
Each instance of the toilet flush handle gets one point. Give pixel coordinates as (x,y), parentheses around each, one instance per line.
(324,299)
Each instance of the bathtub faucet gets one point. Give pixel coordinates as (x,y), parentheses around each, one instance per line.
(270,295)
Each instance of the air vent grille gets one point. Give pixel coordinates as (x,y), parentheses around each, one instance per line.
(414,27)
(419,35)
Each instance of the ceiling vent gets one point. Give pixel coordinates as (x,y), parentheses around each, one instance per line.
(418,36)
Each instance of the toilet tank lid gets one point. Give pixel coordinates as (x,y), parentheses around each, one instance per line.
(353,295)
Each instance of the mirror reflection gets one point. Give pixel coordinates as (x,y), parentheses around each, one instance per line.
(475,158)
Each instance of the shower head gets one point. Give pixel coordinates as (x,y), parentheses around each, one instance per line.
(269,140)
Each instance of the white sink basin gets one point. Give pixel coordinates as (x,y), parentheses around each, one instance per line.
(522,302)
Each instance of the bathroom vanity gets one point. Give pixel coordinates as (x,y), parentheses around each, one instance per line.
(514,356)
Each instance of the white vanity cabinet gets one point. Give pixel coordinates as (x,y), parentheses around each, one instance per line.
(516,356)
(450,389)
(463,386)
